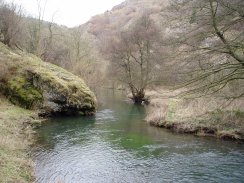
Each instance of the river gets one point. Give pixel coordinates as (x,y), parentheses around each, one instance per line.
(118,146)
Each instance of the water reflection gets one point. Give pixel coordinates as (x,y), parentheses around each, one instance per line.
(117,146)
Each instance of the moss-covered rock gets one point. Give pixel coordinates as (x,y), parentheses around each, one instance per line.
(34,84)
(23,93)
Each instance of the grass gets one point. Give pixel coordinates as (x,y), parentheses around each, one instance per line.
(15,138)
(202,116)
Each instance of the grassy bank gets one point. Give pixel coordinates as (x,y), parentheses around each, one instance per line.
(209,116)
(15,139)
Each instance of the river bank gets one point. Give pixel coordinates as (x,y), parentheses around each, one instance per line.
(16,136)
(117,145)
(208,116)
(45,90)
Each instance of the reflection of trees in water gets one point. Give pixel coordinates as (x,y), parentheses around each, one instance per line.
(59,130)
(108,98)
(136,114)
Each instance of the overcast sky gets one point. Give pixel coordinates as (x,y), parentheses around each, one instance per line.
(67,12)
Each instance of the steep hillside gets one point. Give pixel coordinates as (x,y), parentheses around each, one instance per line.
(122,16)
(103,27)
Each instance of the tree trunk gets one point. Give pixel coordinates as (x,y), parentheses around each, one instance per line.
(138,97)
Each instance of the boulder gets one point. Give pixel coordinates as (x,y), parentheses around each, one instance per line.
(33,84)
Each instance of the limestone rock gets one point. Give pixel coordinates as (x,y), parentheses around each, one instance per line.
(34,84)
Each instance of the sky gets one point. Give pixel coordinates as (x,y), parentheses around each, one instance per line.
(67,12)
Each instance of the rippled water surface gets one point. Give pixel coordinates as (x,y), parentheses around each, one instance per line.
(118,146)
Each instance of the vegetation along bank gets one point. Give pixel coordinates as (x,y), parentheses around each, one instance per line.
(208,116)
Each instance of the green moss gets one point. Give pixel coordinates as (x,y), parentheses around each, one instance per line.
(22,92)
(26,84)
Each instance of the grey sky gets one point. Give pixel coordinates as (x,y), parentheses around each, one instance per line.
(67,12)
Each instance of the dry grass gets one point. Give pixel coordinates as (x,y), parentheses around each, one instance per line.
(15,138)
(202,116)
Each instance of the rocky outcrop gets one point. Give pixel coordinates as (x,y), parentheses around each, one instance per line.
(34,84)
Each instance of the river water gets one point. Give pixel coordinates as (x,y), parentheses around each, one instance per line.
(117,146)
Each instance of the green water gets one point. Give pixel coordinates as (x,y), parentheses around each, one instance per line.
(116,145)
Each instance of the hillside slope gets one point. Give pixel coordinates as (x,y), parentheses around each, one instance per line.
(122,16)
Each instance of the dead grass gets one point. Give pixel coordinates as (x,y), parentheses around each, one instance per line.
(15,138)
(209,116)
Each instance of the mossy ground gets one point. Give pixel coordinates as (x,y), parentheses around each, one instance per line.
(15,138)
(23,93)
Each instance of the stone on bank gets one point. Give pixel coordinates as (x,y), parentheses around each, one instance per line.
(33,84)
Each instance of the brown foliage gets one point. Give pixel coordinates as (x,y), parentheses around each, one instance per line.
(11,24)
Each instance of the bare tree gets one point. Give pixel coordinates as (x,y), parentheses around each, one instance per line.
(85,58)
(11,24)
(209,36)
(35,30)
(133,53)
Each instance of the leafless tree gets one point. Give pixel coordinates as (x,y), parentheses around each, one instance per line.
(209,37)
(133,53)
(35,30)
(85,58)
(11,24)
